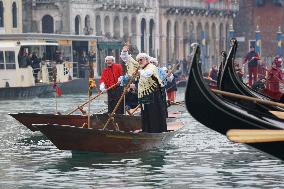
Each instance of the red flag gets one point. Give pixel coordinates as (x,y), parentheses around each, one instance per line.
(58,91)
(210,1)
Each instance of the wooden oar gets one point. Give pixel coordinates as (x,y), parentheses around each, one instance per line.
(93,98)
(255,135)
(243,97)
(278,114)
(135,109)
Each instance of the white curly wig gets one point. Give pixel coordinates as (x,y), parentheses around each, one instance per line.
(143,55)
(110,58)
(154,61)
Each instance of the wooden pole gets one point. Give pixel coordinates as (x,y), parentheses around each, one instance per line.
(253,99)
(89,113)
(255,135)
(135,109)
(91,99)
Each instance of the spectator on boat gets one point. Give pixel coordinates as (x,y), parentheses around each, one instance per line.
(261,70)
(239,71)
(171,88)
(163,76)
(213,73)
(83,64)
(274,76)
(30,60)
(23,60)
(252,59)
(149,91)
(112,74)
(131,97)
(35,65)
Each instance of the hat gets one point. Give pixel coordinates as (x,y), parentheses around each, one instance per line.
(142,55)
(110,58)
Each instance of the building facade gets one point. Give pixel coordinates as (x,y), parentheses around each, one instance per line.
(10,16)
(264,17)
(163,28)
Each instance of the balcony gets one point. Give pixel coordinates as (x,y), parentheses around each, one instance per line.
(201,4)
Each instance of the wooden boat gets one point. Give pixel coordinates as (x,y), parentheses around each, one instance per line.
(230,82)
(128,138)
(221,115)
(29,119)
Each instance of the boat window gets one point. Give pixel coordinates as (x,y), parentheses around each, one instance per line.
(2,60)
(10,60)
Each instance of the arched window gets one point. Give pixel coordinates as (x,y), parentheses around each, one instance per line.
(14,13)
(47,24)
(1,14)
(143,31)
(77,25)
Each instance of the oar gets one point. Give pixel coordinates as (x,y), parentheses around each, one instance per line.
(255,135)
(278,114)
(243,97)
(135,109)
(99,94)
(111,116)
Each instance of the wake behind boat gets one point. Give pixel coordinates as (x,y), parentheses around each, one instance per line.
(220,115)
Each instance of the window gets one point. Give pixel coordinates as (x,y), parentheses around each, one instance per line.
(2,60)
(260,3)
(14,13)
(10,60)
(1,14)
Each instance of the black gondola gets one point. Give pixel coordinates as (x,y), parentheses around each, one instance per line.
(221,115)
(230,82)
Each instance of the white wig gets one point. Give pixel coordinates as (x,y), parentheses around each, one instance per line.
(154,61)
(109,58)
(164,68)
(143,55)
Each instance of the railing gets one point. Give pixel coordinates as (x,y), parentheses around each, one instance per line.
(201,4)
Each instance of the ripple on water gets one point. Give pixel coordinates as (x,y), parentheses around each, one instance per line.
(196,157)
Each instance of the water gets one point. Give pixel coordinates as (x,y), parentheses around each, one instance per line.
(195,158)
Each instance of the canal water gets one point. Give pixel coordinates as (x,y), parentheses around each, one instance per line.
(195,158)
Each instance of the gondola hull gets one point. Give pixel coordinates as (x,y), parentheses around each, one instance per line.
(106,141)
(220,115)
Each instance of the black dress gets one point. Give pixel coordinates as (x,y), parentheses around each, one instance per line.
(153,113)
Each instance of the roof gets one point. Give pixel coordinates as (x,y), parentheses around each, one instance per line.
(46,36)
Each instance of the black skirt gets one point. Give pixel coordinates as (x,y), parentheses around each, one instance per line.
(154,115)
(113,97)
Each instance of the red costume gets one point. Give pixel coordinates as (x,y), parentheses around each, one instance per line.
(252,58)
(111,74)
(110,77)
(274,76)
(261,71)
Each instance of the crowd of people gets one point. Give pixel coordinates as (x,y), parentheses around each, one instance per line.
(261,77)
(153,89)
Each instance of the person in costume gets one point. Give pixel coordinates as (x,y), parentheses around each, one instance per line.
(112,74)
(149,91)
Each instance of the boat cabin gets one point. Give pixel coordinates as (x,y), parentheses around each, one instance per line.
(31,59)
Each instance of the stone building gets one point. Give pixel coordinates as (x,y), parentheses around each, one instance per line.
(10,16)
(163,28)
(267,17)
